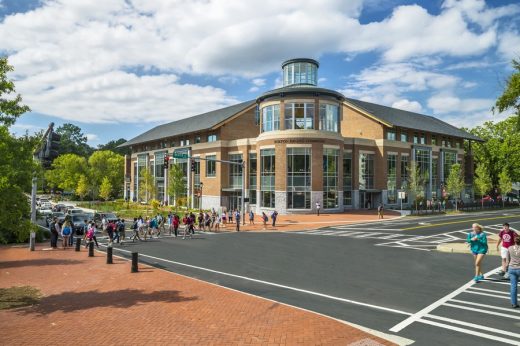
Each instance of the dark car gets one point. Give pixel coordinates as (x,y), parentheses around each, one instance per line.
(59,207)
(53,215)
(98,217)
(78,223)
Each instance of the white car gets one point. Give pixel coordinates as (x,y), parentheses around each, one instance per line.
(75,211)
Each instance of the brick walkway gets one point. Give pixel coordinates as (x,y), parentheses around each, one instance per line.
(299,222)
(87,302)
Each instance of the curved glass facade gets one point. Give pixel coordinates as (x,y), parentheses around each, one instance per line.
(271,118)
(300,73)
(299,116)
(329,117)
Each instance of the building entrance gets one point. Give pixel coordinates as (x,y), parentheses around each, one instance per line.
(369,200)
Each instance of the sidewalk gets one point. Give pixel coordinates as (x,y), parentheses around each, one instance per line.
(87,302)
(300,222)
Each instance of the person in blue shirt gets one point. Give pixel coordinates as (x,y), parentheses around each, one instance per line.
(237,218)
(477,241)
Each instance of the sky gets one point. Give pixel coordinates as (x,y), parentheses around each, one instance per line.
(117,68)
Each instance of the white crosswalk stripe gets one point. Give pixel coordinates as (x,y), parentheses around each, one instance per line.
(465,309)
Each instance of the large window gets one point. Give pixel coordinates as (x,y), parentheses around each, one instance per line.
(329,117)
(135,180)
(404,137)
(235,171)
(435,176)
(450,158)
(211,166)
(347,179)
(267,171)
(390,135)
(391,187)
(212,138)
(404,171)
(422,158)
(299,116)
(159,162)
(252,178)
(298,178)
(330,178)
(366,171)
(271,118)
(300,73)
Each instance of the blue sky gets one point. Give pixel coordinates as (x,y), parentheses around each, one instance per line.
(117,68)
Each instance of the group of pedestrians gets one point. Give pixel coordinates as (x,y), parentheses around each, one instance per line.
(64,229)
(509,246)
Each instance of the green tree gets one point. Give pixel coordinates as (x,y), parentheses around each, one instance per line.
(105,163)
(113,145)
(176,183)
(147,188)
(106,189)
(455,183)
(17,166)
(83,187)
(10,102)
(504,184)
(416,183)
(482,181)
(73,141)
(510,97)
(66,172)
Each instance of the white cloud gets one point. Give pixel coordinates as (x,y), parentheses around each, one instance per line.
(412,106)
(442,104)
(258,82)
(92,137)
(80,66)
(509,45)
(253,89)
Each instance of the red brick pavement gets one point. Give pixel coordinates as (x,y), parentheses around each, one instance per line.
(87,302)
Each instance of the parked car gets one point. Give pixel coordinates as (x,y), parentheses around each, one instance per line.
(98,217)
(54,214)
(78,223)
(60,207)
(45,206)
(74,211)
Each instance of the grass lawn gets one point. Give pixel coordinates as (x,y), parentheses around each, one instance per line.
(15,297)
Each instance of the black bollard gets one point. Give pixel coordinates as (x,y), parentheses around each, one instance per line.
(109,255)
(91,249)
(78,244)
(135,256)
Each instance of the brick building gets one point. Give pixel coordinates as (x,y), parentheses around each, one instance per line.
(301,144)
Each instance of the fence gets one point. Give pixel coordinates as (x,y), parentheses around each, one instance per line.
(438,208)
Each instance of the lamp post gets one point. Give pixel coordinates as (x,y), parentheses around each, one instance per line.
(201,184)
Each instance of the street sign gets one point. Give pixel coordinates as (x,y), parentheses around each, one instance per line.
(401,195)
(177,155)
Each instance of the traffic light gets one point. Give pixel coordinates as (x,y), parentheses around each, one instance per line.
(165,164)
(193,165)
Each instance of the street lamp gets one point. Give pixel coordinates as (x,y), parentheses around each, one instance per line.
(201,184)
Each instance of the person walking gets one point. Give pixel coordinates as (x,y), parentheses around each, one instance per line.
(477,241)
(506,238)
(274,215)
(135,229)
(116,231)
(66,232)
(380,211)
(110,231)
(54,233)
(514,270)
(318,207)
(237,218)
(265,219)
(251,217)
(175,220)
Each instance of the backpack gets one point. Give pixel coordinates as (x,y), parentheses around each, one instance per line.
(121,227)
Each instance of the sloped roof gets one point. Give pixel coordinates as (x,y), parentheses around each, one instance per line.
(411,120)
(195,123)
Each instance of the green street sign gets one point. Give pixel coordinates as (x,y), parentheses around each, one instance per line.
(180,155)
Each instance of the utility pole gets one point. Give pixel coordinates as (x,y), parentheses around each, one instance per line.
(243,193)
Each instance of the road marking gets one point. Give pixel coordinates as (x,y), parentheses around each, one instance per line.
(488,290)
(485,305)
(377,307)
(470,332)
(460,221)
(482,311)
(495,281)
(473,325)
(486,294)
(420,314)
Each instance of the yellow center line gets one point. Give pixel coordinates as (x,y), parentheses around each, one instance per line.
(460,221)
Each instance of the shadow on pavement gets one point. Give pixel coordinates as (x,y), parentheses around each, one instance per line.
(75,301)
(37,263)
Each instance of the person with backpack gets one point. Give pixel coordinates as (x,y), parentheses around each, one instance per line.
(66,232)
(176,222)
(54,233)
(90,234)
(274,215)
(380,211)
(135,229)
(251,217)
(110,231)
(116,231)
(265,218)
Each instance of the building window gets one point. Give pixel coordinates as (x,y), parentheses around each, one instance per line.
(159,162)
(135,181)
(415,138)
(257,115)
(390,135)
(300,73)
(435,177)
(457,145)
(434,140)
(299,116)
(196,173)
(212,138)
(366,171)
(329,117)
(252,178)
(391,187)
(271,118)
(267,174)
(187,142)
(172,144)
(423,138)
(404,137)
(448,143)
(330,178)
(211,166)
(450,158)
(298,178)
(182,143)
(404,171)
(235,174)
(347,179)
(197,139)
(422,161)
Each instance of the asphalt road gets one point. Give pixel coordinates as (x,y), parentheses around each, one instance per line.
(381,276)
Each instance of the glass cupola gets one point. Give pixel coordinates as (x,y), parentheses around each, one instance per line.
(300,72)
